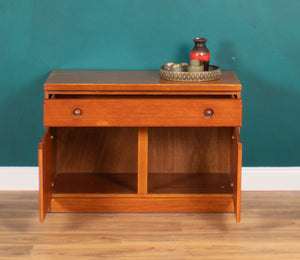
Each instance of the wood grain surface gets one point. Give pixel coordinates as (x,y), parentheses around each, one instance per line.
(142,111)
(189,150)
(269,230)
(96,150)
(97,80)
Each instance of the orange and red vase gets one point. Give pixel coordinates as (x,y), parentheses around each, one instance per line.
(201,52)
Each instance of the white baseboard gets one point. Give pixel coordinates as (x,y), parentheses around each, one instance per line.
(271,178)
(253,178)
(19,178)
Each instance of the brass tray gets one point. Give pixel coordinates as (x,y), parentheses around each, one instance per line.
(213,73)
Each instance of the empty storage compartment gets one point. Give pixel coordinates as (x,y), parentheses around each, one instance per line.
(190,160)
(94,160)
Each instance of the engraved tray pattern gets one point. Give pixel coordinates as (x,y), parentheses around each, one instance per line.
(213,73)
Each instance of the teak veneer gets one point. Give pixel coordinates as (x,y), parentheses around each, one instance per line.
(127,141)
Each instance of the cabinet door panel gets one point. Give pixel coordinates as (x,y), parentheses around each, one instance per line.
(235,170)
(45,172)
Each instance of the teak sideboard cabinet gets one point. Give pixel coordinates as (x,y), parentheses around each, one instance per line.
(128,141)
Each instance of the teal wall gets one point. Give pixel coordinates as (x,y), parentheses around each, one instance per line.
(258,39)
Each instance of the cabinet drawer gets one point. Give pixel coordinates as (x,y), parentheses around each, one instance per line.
(143,111)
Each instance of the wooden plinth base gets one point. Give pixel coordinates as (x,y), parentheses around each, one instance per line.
(149,203)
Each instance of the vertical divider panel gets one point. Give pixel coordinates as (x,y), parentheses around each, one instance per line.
(45,172)
(142,160)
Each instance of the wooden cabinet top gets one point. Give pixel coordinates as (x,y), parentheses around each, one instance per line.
(101,80)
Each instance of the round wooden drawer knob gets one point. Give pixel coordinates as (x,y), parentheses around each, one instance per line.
(77,112)
(208,112)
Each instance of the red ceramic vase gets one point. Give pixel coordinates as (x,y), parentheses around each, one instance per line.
(201,52)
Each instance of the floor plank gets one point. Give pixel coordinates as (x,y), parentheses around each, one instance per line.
(269,229)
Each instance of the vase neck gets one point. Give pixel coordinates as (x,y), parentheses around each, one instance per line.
(200,41)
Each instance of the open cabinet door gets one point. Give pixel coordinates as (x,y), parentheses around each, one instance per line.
(235,170)
(45,172)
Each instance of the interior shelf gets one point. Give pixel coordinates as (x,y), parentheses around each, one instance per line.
(189,183)
(99,183)
(126,183)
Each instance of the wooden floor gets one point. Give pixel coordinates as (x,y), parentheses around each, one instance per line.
(269,229)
